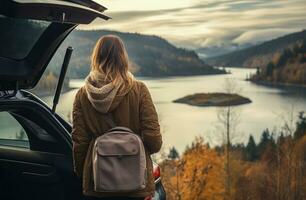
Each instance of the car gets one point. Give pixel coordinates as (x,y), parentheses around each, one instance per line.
(35,142)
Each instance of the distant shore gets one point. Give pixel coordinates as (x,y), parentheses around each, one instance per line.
(277,84)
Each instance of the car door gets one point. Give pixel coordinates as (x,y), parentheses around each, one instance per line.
(35,154)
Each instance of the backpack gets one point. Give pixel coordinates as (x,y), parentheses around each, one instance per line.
(119,160)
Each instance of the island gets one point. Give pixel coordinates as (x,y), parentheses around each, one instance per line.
(213,99)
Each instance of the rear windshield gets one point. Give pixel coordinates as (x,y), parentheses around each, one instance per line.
(18,36)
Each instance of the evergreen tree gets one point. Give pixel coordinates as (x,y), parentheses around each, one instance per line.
(300,126)
(284,58)
(269,69)
(302,51)
(257,71)
(296,49)
(173,154)
(303,47)
(265,140)
(251,149)
(281,139)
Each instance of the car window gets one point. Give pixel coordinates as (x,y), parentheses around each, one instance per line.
(20,36)
(47,84)
(11,132)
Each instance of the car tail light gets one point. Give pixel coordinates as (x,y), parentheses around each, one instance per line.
(156,171)
(148,198)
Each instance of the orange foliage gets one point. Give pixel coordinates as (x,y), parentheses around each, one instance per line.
(280,173)
(198,174)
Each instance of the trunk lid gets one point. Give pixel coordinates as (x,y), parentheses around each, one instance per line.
(31,32)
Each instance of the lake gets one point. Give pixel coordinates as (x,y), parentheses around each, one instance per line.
(181,123)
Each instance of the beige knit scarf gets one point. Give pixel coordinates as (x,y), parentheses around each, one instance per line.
(100,93)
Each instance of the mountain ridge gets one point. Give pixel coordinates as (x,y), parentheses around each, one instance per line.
(150,55)
(257,55)
(214,51)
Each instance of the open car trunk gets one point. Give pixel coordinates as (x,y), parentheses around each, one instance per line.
(31,32)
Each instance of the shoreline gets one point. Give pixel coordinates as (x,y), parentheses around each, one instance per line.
(278,84)
(157,76)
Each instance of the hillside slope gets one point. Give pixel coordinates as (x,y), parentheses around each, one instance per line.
(258,55)
(214,51)
(150,55)
(288,67)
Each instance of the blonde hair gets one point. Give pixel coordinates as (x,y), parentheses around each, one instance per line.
(110,58)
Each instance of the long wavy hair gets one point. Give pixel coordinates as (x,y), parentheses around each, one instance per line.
(109,57)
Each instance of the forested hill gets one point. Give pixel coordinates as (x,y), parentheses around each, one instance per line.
(288,67)
(258,55)
(150,55)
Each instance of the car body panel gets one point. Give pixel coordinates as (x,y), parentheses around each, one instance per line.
(43,169)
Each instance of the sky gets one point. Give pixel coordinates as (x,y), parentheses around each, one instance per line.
(206,23)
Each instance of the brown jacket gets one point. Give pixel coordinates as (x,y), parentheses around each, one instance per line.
(134,110)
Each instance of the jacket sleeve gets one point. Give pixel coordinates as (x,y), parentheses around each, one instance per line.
(149,125)
(80,137)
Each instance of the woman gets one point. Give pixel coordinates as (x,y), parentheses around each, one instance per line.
(111,88)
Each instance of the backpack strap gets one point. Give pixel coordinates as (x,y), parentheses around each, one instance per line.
(111,122)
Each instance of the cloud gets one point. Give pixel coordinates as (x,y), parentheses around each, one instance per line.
(261,35)
(203,23)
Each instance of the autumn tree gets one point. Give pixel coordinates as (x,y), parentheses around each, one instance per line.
(202,173)
(299,181)
(197,174)
(228,118)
